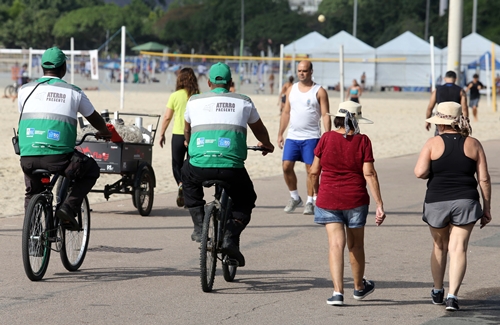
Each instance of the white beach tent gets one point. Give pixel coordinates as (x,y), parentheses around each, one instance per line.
(414,72)
(473,47)
(358,56)
(303,45)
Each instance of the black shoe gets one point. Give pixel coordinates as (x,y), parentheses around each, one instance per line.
(437,297)
(180,197)
(452,304)
(67,217)
(197,214)
(369,288)
(337,300)
(232,251)
(196,236)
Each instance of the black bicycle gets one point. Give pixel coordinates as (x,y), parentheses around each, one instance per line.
(11,90)
(42,228)
(217,213)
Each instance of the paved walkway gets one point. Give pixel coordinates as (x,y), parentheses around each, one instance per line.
(145,270)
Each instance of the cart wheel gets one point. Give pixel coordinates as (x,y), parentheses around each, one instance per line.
(144,193)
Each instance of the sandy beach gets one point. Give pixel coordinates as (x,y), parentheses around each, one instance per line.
(398,130)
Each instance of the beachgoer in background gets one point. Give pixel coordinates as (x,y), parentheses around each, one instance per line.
(450,162)
(474,86)
(14,73)
(354,92)
(271,82)
(363,81)
(202,71)
(23,75)
(449,92)
(186,86)
(224,159)
(344,160)
(306,105)
(284,90)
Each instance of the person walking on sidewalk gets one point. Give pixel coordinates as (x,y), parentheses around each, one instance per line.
(449,92)
(283,92)
(186,86)
(451,162)
(306,105)
(474,86)
(344,159)
(216,129)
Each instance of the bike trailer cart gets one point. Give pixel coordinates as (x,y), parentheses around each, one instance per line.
(130,160)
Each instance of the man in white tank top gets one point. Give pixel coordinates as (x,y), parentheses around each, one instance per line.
(306,104)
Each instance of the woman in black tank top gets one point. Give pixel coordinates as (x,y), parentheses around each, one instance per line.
(451,162)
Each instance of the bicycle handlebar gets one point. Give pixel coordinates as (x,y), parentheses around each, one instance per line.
(79,142)
(257,148)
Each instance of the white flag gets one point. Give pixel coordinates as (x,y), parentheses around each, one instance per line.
(94,65)
(443,6)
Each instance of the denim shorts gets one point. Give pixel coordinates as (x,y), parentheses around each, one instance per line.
(473,102)
(300,150)
(352,218)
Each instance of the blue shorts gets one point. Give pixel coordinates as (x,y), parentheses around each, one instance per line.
(300,150)
(353,218)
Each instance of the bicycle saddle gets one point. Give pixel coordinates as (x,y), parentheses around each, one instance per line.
(213,182)
(41,171)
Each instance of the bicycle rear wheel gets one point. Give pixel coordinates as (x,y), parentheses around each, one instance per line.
(208,249)
(75,243)
(35,238)
(144,194)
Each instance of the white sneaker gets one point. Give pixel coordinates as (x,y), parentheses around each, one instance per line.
(309,209)
(292,204)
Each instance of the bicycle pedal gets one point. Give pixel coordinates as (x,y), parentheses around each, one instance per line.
(230,261)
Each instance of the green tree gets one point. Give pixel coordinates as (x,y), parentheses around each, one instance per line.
(214,26)
(88,26)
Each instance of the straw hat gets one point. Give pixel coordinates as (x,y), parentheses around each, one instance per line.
(446,113)
(353,108)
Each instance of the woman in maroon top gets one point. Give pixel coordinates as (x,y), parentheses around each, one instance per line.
(344,159)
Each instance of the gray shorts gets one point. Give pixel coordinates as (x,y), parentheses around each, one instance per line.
(456,212)
(473,102)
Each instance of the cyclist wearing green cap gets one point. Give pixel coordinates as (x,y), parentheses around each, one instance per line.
(47,133)
(216,130)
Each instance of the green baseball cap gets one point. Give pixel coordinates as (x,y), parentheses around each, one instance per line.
(53,58)
(220,73)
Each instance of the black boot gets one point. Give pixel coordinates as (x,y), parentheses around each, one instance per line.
(231,241)
(197,214)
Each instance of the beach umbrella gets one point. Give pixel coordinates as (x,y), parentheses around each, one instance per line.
(112,65)
(150,46)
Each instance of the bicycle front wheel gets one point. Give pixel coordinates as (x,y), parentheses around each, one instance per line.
(208,249)
(228,269)
(35,238)
(75,243)
(10,91)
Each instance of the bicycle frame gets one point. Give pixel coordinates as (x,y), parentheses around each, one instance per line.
(222,204)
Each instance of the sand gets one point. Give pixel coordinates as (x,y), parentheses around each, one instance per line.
(398,130)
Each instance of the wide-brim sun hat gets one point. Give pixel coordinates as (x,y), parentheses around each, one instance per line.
(446,113)
(353,108)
